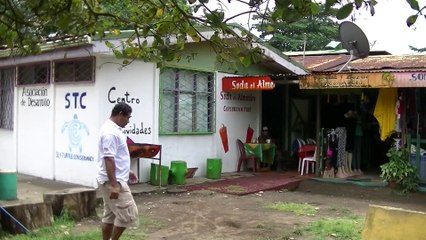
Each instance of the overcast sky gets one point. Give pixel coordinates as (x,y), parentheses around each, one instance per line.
(386,30)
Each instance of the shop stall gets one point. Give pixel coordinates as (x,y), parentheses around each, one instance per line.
(371,106)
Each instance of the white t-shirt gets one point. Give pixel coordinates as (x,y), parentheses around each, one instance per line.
(112,143)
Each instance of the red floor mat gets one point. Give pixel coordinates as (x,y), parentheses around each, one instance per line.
(252,184)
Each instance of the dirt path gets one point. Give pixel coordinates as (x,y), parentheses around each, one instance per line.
(209,215)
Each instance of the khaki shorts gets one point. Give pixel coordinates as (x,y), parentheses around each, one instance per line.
(121,212)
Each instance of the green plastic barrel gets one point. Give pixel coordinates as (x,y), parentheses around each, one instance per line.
(8,182)
(154,175)
(178,171)
(214,168)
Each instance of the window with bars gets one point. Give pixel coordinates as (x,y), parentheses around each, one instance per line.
(34,73)
(7,78)
(74,70)
(187,102)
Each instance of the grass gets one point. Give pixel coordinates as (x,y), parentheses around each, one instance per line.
(345,212)
(346,228)
(60,229)
(64,228)
(296,208)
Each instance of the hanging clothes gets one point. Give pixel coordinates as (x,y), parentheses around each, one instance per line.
(332,149)
(385,111)
(341,148)
(399,108)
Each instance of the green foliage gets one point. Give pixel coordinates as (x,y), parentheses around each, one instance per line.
(411,20)
(316,29)
(415,6)
(400,170)
(345,11)
(420,50)
(160,28)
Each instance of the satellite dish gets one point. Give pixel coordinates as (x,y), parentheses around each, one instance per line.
(354,40)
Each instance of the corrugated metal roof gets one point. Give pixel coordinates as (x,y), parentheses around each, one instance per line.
(64,43)
(400,62)
(333,63)
(331,52)
(319,63)
(317,52)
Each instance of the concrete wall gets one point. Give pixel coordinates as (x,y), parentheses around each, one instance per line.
(201,57)
(137,85)
(75,133)
(393,224)
(35,130)
(7,150)
(236,111)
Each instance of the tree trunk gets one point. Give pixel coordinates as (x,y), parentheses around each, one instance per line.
(78,202)
(31,216)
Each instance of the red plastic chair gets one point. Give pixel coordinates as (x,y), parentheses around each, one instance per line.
(244,157)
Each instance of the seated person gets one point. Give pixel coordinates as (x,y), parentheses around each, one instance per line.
(264,136)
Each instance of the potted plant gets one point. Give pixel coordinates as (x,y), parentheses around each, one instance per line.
(399,171)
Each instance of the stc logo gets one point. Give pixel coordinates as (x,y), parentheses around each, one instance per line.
(75,100)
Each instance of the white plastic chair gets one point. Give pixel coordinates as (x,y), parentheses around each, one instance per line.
(310,141)
(301,143)
(309,160)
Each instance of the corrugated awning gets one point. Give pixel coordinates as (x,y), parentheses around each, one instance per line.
(386,79)
(248,83)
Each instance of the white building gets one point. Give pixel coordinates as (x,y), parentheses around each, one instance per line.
(53,104)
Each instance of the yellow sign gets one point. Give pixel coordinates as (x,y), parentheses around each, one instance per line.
(364,80)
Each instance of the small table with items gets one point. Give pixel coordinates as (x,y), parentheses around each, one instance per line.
(265,152)
(139,151)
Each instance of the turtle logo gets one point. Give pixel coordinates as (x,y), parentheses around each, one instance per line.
(75,130)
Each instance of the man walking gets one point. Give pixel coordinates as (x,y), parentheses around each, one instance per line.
(120,210)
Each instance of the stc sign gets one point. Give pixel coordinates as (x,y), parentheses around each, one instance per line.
(75,100)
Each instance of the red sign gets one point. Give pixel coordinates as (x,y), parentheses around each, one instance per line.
(247,83)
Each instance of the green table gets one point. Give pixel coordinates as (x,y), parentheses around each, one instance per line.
(265,152)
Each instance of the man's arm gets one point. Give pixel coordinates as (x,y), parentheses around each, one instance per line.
(110,169)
